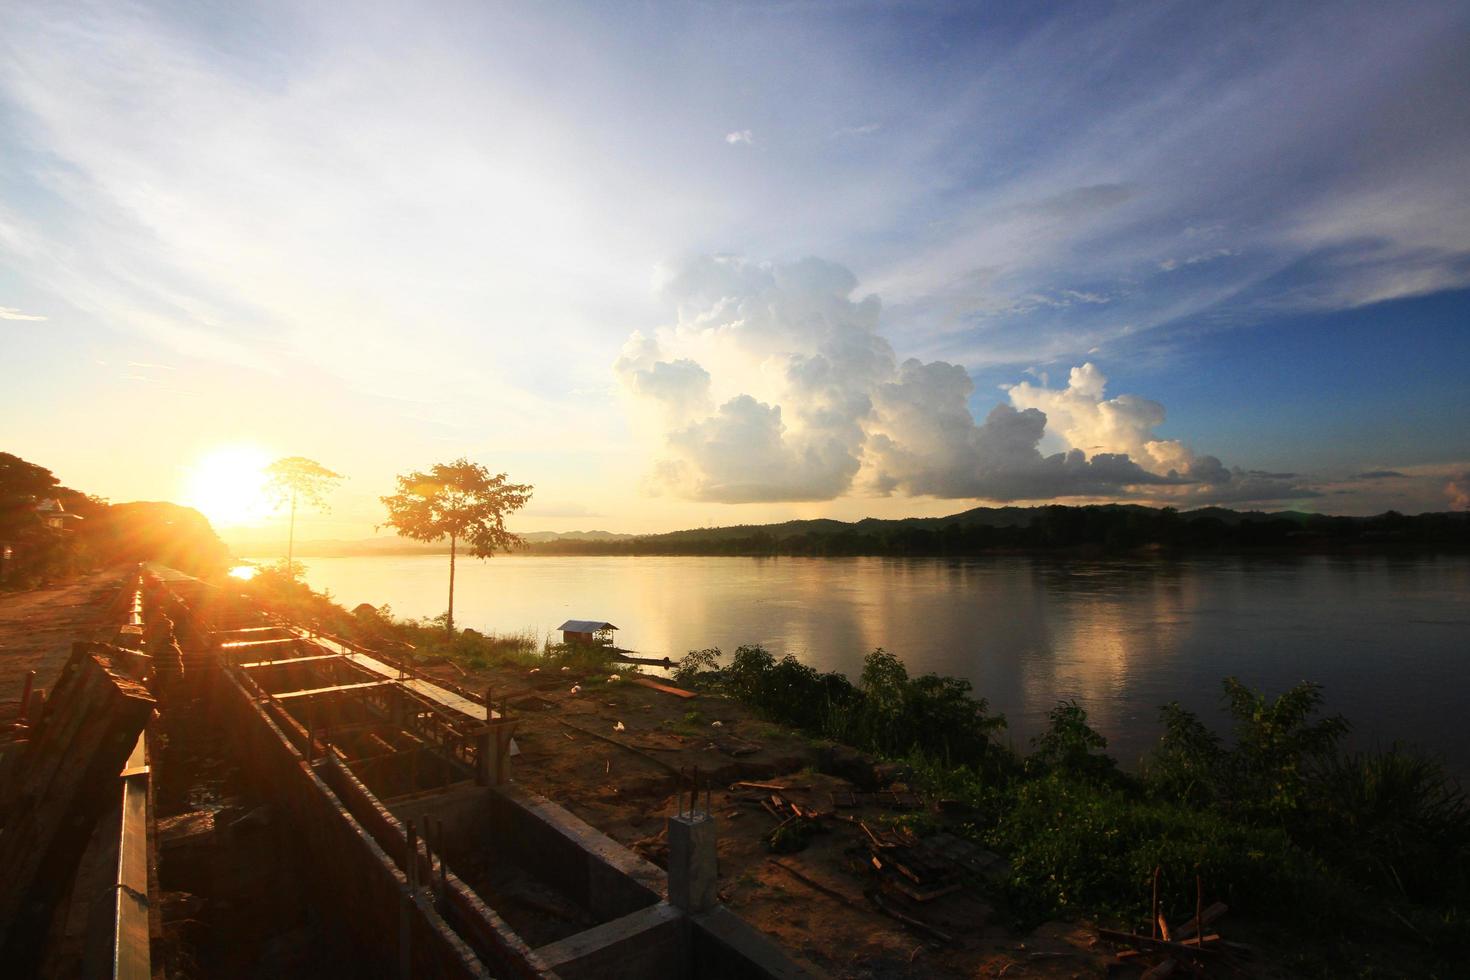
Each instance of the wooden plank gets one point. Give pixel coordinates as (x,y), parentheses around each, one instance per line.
(653,685)
(64,781)
(290,641)
(312,692)
(1206,917)
(1146,942)
(131,952)
(287,661)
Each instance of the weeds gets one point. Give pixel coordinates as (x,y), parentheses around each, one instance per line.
(1278,821)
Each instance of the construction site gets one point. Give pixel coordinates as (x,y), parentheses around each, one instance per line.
(207,792)
(194,786)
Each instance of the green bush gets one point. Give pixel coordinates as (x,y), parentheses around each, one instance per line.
(697,663)
(1066,747)
(1394,821)
(1078,846)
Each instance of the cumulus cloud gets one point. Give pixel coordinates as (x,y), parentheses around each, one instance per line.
(740,136)
(11,313)
(742,454)
(1084,418)
(1458,491)
(925,441)
(774,384)
(680,387)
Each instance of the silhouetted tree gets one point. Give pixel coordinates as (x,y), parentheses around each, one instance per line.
(298,477)
(460,501)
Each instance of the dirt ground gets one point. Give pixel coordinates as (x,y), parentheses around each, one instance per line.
(623,782)
(38,627)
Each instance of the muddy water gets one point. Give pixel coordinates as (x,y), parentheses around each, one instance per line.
(1388,637)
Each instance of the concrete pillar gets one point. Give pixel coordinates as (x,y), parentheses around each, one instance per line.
(693,862)
(495,753)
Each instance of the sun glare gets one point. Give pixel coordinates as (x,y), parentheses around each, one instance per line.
(227,485)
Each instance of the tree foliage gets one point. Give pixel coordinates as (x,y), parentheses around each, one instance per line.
(296,477)
(460,501)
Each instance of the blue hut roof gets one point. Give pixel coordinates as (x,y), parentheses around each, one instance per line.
(584,626)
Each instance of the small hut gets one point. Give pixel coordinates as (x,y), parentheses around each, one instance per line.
(587,632)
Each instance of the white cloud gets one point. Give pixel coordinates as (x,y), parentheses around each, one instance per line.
(11,313)
(740,136)
(1169,265)
(1085,419)
(925,441)
(743,454)
(812,405)
(1457,491)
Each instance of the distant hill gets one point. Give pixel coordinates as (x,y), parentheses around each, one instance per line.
(1098,528)
(394,545)
(536,537)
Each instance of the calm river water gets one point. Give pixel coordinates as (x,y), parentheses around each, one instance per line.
(1388,637)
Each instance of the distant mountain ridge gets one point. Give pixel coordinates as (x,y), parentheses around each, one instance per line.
(362,547)
(1105,527)
(1049,527)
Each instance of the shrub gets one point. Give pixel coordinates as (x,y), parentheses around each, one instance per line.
(1395,821)
(695,664)
(1066,747)
(1188,765)
(1077,846)
(1276,741)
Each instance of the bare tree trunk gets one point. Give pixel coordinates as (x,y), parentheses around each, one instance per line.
(291,538)
(449,620)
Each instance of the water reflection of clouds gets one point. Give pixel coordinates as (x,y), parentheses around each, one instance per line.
(1114,631)
(1385,635)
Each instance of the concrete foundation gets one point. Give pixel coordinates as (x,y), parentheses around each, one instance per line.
(385,789)
(693,862)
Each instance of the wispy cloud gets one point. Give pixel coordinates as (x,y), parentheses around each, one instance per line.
(11,313)
(740,136)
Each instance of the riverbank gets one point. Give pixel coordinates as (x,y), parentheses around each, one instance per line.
(1080,837)
(1383,636)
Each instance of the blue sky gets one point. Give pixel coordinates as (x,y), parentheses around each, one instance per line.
(624,251)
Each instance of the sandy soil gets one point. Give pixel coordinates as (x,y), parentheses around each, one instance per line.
(628,789)
(38,627)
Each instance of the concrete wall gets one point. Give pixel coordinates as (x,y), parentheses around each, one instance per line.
(581,862)
(357,884)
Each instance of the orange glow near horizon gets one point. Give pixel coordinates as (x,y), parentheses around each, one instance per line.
(227,485)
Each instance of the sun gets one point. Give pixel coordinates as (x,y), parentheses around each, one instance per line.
(227,485)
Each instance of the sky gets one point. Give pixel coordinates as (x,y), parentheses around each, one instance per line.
(699,264)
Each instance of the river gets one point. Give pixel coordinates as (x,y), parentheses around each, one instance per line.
(1388,637)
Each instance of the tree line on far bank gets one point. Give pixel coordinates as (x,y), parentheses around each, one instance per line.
(1108,528)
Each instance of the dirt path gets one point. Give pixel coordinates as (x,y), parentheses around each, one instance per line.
(38,627)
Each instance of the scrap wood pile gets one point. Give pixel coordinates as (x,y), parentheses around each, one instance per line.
(892,799)
(926,868)
(1191,946)
(907,873)
(795,822)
